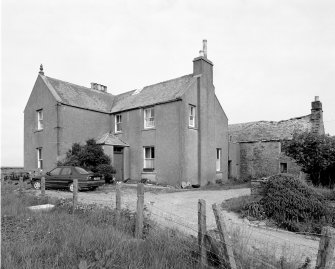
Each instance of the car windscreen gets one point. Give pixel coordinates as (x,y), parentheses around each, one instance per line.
(81,171)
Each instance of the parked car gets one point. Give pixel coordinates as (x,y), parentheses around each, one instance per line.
(63,176)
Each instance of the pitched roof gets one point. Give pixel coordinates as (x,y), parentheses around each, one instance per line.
(268,130)
(79,96)
(158,93)
(111,140)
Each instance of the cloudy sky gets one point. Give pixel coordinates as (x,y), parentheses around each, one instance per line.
(270,57)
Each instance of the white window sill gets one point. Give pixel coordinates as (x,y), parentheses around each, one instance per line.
(148,128)
(38,130)
(192,127)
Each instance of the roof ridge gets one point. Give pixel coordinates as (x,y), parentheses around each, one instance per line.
(168,80)
(63,81)
(253,122)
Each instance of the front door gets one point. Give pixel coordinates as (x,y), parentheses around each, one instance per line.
(118,163)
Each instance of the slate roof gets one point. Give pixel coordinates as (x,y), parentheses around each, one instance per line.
(158,93)
(83,97)
(79,96)
(268,130)
(111,140)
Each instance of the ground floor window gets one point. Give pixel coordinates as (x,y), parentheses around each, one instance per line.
(283,167)
(39,158)
(149,158)
(218,159)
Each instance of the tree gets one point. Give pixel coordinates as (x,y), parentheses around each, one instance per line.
(88,156)
(315,154)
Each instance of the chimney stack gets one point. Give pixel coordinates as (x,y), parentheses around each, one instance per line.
(98,87)
(317,116)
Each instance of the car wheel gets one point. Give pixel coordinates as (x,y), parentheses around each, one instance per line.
(93,188)
(71,187)
(37,185)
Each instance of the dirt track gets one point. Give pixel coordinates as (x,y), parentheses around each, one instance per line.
(179,210)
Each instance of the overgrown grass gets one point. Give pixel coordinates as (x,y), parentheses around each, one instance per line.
(92,238)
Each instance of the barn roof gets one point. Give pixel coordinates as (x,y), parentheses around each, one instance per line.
(268,130)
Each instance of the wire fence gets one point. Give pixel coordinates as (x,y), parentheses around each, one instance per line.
(253,246)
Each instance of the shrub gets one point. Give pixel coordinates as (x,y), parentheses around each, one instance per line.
(107,171)
(294,205)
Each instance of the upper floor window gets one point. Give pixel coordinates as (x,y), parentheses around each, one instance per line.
(149,118)
(118,123)
(191,119)
(39,158)
(40,119)
(218,159)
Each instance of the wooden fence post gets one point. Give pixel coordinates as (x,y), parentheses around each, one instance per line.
(75,194)
(118,200)
(43,186)
(139,211)
(202,232)
(224,237)
(326,253)
(21,184)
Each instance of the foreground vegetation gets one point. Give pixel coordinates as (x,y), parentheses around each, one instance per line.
(289,204)
(91,238)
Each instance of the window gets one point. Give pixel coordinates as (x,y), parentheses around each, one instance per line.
(118,150)
(149,159)
(40,119)
(39,158)
(218,159)
(66,171)
(55,172)
(149,118)
(81,171)
(118,123)
(283,167)
(191,120)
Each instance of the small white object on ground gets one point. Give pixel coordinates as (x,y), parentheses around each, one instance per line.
(45,207)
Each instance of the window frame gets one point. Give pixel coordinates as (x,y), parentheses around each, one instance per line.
(40,125)
(151,159)
(118,124)
(39,158)
(218,159)
(58,169)
(147,119)
(283,165)
(191,123)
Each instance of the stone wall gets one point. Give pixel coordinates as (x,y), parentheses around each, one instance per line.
(264,158)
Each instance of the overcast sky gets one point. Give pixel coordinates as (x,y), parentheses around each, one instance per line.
(270,57)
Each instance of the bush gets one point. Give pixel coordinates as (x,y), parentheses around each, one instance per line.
(107,171)
(295,206)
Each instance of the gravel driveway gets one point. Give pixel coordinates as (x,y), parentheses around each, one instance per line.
(180,210)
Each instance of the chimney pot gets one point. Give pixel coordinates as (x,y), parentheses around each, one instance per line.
(201,53)
(316,98)
(204,44)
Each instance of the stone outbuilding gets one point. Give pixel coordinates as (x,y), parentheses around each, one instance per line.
(255,147)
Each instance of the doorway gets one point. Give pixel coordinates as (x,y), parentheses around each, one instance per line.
(118,163)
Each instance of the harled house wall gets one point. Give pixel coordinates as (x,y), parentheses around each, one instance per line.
(40,98)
